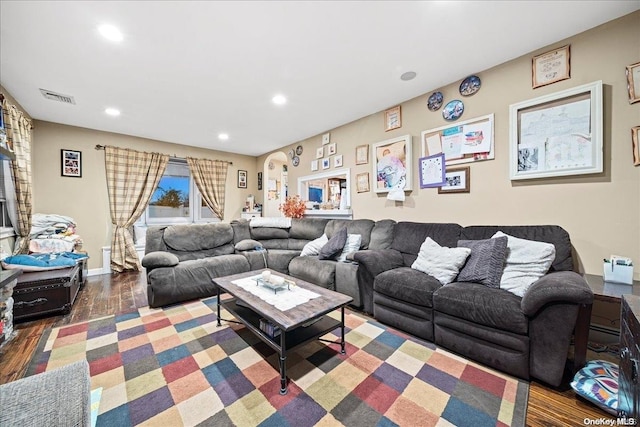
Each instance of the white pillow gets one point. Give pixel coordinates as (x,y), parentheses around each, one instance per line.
(314,246)
(527,261)
(351,245)
(441,262)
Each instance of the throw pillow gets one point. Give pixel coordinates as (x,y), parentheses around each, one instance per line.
(441,262)
(160,259)
(527,261)
(334,246)
(314,246)
(247,245)
(486,262)
(598,383)
(352,245)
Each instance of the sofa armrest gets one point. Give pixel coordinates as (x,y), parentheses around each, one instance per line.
(379,260)
(560,286)
(159,259)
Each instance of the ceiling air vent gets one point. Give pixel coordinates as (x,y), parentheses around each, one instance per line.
(57,96)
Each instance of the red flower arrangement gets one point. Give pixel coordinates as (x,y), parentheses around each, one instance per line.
(293,207)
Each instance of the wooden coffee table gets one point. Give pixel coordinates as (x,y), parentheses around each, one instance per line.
(298,325)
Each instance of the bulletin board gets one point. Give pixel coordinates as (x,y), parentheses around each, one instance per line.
(463,142)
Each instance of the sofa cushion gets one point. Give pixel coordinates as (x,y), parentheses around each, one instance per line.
(477,303)
(362,227)
(409,236)
(527,261)
(553,234)
(197,237)
(351,245)
(279,259)
(314,246)
(269,233)
(486,262)
(440,262)
(382,234)
(159,259)
(247,245)
(307,228)
(407,284)
(334,246)
(313,270)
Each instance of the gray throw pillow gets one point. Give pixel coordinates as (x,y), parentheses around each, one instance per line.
(247,245)
(486,262)
(334,246)
(159,259)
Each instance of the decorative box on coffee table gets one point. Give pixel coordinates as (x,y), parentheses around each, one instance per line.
(46,292)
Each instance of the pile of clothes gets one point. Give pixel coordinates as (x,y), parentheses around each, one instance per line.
(52,233)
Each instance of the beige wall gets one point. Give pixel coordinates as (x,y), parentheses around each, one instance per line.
(85,199)
(601,212)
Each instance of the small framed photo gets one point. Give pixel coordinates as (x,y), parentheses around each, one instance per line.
(551,67)
(362,182)
(635,137)
(326,138)
(337,161)
(242,179)
(319,152)
(71,163)
(259,180)
(633,82)
(457,181)
(331,149)
(392,119)
(326,163)
(362,154)
(314,165)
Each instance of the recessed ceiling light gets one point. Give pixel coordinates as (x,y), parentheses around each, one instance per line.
(112,112)
(110,32)
(223,136)
(279,100)
(409,75)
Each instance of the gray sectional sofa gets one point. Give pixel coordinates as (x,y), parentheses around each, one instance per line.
(526,336)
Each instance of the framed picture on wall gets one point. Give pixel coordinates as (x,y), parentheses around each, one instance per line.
(551,67)
(362,182)
(392,164)
(635,139)
(259,180)
(71,163)
(633,82)
(362,154)
(456,181)
(559,134)
(242,179)
(392,119)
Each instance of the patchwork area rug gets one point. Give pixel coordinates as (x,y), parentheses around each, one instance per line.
(175,366)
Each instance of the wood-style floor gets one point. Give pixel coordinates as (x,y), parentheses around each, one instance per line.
(109,294)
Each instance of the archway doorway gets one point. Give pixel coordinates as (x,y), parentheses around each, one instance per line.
(275,183)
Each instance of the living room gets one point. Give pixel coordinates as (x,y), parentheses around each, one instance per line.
(601,211)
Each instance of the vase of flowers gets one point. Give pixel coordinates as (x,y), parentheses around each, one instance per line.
(293,207)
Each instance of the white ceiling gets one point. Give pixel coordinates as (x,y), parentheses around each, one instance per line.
(187,71)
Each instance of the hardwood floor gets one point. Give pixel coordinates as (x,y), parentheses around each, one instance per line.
(109,294)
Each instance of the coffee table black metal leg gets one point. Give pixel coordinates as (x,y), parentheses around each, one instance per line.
(283,364)
(218,305)
(342,351)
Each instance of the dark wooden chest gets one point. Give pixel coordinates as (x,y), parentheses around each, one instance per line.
(629,387)
(45,292)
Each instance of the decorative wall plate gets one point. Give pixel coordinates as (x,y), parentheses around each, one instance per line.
(435,101)
(470,86)
(295,160)
(453,110)
(299,150)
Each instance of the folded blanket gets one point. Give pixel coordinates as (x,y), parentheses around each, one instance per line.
(275,222)
(41,262)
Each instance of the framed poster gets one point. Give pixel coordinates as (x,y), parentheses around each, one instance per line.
(432,169)
(456,181)
(242,179)
(71,163)
(559,134)
(551,67)
(392,119)
(467,141)
(392,164)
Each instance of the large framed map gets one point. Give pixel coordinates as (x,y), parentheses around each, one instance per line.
(559,134)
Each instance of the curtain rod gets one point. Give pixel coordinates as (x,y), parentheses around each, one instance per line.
(101,147)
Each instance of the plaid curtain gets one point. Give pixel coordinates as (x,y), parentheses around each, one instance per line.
(132,177)
(18,129)
(210,177)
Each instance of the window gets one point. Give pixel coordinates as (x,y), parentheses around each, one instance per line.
(175,196)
